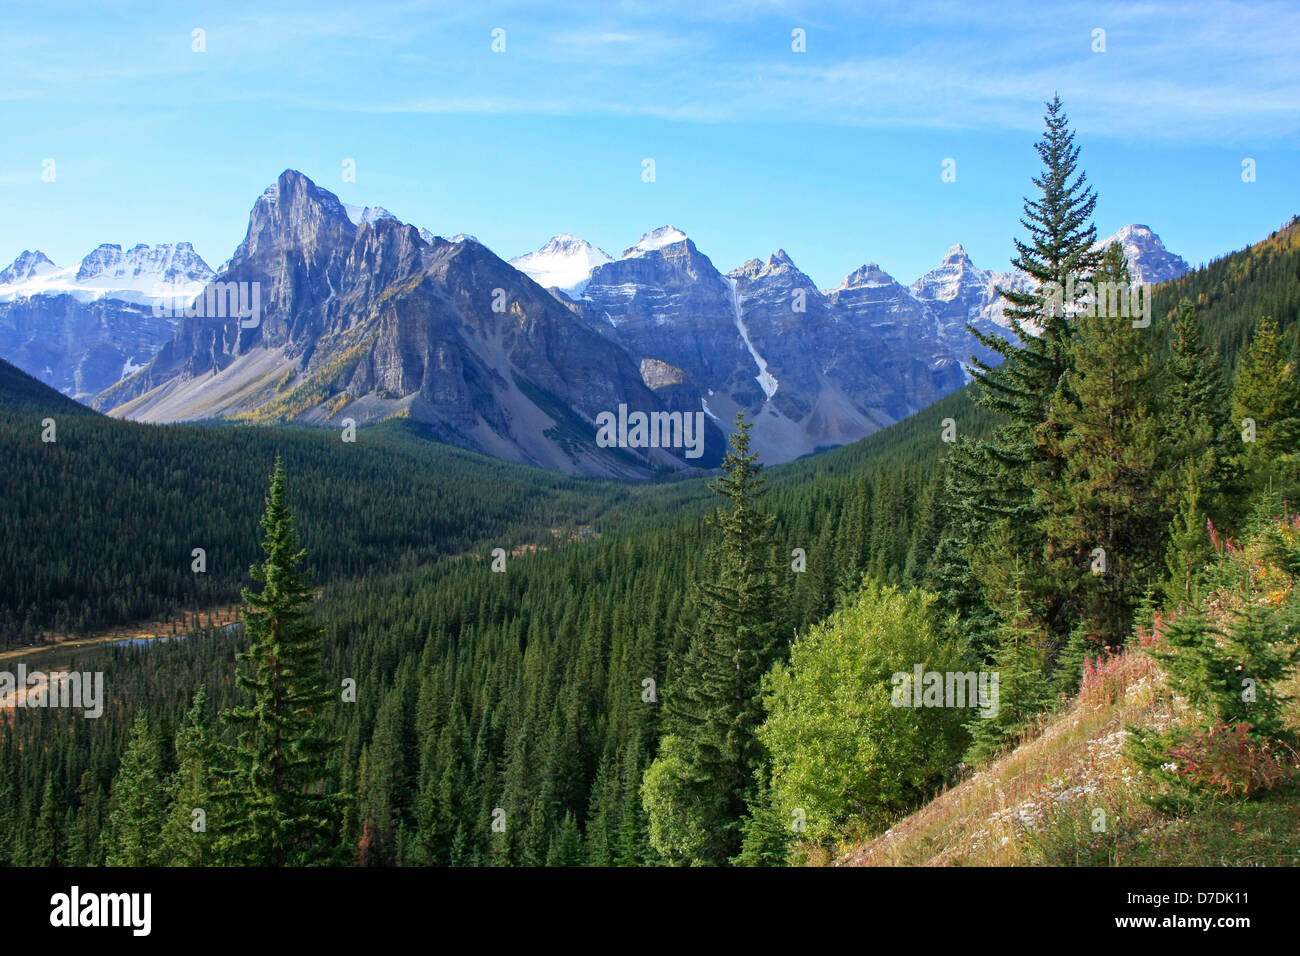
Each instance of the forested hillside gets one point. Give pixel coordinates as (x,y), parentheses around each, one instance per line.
(646,687)
(101,521)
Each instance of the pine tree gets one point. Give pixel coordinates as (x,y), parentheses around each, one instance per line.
(274,808)
(767,834)
(46,849)
(85,848)
(1102,522)
(190,789)
(8,800)
(1189,545)
(1232,675)
(1192,409)
(1021,662)
(1266,408)
(993,480)
(711,753)
(1194,472)
(566,845)
(139,802)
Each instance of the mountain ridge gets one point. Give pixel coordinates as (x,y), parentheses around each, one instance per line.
(363,317)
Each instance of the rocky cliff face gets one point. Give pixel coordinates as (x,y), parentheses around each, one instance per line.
(811,369)
(959,293)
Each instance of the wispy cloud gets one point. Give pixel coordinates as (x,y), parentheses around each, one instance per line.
(1200,72)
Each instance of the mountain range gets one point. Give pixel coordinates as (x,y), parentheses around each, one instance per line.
(362,317)
(82,328)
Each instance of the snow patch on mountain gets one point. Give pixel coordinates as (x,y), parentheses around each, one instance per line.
(766,380)
(360,214)
(564,263)
(656,239)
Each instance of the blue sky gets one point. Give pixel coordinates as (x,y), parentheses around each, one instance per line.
(834,154)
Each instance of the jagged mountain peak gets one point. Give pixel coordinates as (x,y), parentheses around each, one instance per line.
(1148,259)
(749,269)
(955,275)
(568,244)
(1135,229)
(294,212)
(779,264)
(290,178)
(29,264)
(161,263)
(294,190)
(866,276)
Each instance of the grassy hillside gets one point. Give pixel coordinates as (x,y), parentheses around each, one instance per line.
(1075,795)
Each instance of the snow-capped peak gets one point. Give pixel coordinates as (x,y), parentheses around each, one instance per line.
(29,264)
(1148,259)
(1136,231)
(360,214)
(565,262)
(656,239)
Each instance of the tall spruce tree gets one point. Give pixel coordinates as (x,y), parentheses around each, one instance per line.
(47,847)
(274,809)
(992,482)
(1189,546)
(698,791)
